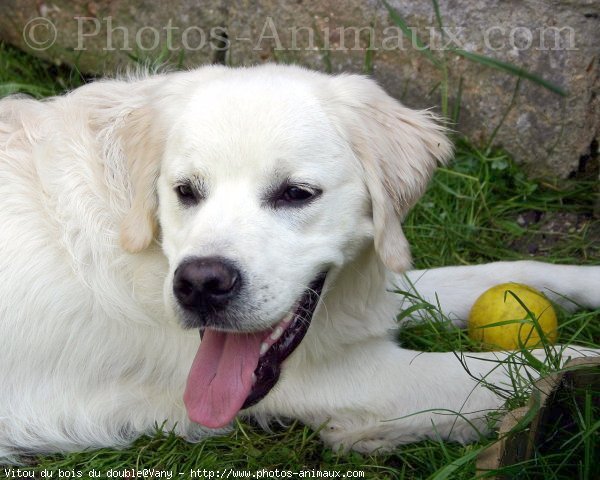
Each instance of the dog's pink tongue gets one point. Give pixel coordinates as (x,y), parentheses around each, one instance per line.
(220,379)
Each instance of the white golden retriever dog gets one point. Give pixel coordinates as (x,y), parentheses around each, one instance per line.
(258,206)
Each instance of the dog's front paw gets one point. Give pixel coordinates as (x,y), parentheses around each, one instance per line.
(368,435)
(364,437)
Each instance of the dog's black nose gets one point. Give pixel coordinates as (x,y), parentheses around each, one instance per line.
(206,284)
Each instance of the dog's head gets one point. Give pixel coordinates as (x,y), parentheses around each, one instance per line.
(265,181)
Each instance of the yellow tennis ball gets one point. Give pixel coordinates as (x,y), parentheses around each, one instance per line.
(499,306)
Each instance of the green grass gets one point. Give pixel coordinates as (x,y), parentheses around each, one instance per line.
(472,213)
(21,73)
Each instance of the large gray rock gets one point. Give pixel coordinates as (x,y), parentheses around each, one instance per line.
(555,39)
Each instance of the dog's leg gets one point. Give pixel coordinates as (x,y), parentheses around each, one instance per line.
(376,395)
(457,288)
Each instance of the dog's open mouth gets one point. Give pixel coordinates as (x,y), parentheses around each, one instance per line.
(233,371)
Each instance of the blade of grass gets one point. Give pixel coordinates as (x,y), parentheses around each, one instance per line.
(457,102)
(411,34)
(511,105)
(444,62)
(510,68)
(449,470)
(9,88)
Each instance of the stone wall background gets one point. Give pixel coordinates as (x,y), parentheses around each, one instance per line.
(558,40)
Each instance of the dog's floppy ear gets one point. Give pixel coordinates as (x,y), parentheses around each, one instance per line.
(143,144)
(398,148)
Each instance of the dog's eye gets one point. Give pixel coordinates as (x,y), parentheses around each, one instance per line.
(186,194)
(295,195)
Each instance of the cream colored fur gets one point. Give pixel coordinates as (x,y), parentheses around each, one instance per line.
(91,348)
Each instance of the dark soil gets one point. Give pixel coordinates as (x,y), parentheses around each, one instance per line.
(549,231)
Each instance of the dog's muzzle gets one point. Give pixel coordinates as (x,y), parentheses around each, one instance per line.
(235,370)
